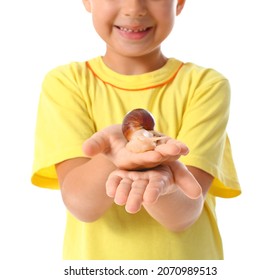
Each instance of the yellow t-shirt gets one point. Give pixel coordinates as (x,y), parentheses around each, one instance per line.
(189,103)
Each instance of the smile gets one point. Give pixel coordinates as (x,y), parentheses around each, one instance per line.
(132,30)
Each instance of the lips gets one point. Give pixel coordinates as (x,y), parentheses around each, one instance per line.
(133,33)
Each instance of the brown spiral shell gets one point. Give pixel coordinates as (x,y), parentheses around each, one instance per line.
(135,120)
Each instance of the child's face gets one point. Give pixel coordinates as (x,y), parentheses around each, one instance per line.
(133,28)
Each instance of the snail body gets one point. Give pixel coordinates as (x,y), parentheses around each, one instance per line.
(138,129)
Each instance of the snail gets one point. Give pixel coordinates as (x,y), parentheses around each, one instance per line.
(138,129)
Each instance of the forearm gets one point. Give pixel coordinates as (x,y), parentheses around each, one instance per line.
(181,208)
(170,193)
(83,187)
(176,211)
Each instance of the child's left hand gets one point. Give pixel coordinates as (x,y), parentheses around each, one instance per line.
(132,188)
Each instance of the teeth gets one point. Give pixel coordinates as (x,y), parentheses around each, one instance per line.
(132,30)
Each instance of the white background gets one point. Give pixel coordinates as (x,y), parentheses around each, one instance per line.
(237,38)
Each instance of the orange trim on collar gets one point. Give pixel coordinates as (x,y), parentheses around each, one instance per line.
(158,85)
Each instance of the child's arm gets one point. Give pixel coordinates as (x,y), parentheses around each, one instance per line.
(82,180)
(82,183)
(170,193)
(177,211)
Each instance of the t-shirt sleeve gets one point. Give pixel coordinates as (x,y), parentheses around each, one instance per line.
(63,124)
(204,132)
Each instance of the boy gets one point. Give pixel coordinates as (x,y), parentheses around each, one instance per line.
(125,205)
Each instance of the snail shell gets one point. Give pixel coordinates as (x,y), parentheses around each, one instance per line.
(135,120)
(138,129)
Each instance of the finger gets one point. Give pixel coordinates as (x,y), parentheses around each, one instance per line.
(123,191)
(139,161)
(172,148)
(96,144)
(135,198)
(112,184)
(185,180)
(153,190)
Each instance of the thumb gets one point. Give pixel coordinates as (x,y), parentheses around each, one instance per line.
(96,144)
(185,180)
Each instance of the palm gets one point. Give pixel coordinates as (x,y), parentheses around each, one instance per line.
(111,142)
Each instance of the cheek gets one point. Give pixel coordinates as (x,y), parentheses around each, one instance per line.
(101,25)
(165,28)
(166,18)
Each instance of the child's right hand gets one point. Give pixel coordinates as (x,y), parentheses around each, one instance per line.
(111,142)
